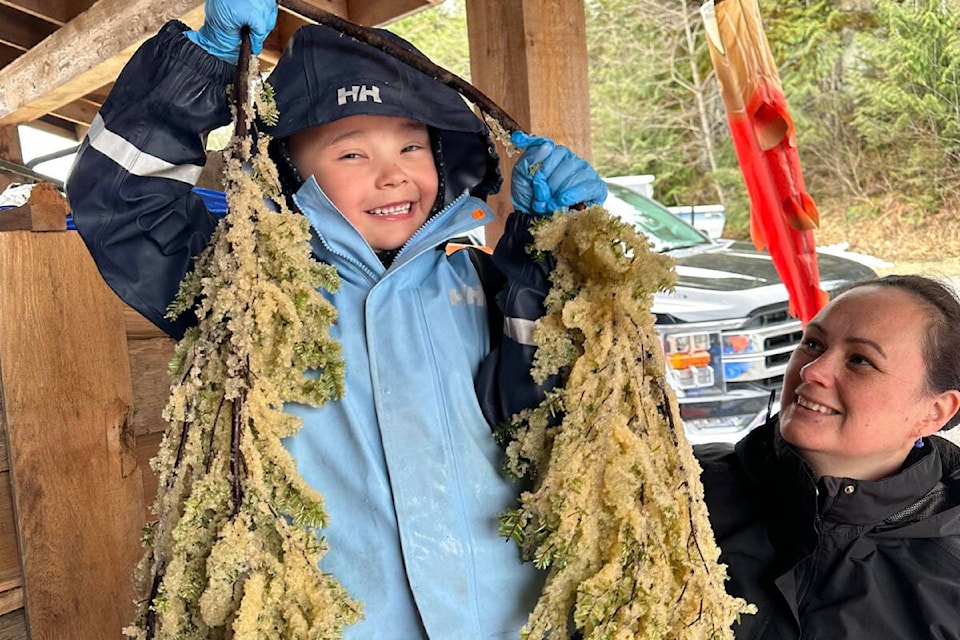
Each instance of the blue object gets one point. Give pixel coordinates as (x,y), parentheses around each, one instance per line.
(216,201)
(549,178)
(220,33)
(733,370)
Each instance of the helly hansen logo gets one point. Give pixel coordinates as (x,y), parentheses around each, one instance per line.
(358,93)
(467,295)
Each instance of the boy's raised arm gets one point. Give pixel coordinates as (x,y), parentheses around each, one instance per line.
(547,178)
(130,186)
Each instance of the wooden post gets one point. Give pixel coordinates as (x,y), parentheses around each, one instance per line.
(150,352)
(9,151)
(530,57)
(65,403)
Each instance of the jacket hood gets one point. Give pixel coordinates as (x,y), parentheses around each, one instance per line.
(937,514)
(324,76)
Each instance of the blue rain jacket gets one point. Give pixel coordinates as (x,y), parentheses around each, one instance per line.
(406,461)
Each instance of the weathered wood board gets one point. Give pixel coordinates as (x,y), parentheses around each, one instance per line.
(65,404)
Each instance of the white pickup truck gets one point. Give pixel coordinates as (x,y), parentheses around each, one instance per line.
(726,331)
(708,218)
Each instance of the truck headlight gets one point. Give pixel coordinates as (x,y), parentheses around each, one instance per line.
(693,360)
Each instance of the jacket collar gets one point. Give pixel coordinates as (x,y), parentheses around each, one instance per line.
(864,502)
(768,458)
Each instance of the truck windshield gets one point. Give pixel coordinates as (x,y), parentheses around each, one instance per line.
(665,230)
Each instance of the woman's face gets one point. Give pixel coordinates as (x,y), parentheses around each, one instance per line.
(854,394)
(379,172)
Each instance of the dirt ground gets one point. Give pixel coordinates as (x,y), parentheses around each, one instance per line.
(931,246)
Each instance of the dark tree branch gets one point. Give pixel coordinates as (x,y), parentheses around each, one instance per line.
(150,619)
(236,455)
(241,85)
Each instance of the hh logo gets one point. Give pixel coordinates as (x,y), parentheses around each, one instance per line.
(467,295)
(358,93)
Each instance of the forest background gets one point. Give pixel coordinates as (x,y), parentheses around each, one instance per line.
(873,87)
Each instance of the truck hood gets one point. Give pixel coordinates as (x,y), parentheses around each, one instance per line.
(728,279)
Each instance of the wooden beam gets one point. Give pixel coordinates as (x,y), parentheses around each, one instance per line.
(22,31)
(10,145)
(56,12)
(33,218)
(45,210)
(81,111)
(8,54)
(99,95)
(11,577)
(84,54)
(530,57)
(364,12)
(287,23)
(13,626)
(373,14)
(337,7)
(150,377)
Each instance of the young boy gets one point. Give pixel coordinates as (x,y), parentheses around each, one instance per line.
(388,165)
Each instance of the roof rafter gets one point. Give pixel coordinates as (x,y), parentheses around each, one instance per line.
(84,54)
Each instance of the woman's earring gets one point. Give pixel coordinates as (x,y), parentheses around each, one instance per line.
(919,443)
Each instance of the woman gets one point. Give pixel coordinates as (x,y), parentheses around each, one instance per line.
(840,519)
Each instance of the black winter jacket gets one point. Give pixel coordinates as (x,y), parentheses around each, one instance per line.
(837,559)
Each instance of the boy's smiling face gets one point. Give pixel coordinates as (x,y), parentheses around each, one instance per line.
(378,170)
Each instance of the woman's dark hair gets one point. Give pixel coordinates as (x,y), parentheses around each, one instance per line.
(941,343)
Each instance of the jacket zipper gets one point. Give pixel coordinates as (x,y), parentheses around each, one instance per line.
(432,221)
(808,574)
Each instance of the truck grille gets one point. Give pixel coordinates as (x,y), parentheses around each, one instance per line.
(775,314)
(775,347)
(779,333)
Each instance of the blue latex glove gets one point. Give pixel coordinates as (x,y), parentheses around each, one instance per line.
(220,33)
(550,178)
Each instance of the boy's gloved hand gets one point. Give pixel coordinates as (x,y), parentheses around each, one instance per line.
(559,178)
(220,33)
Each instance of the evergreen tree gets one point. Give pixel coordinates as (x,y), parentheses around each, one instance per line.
(813,44)
(654,104)
(441,34)
(907,91)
